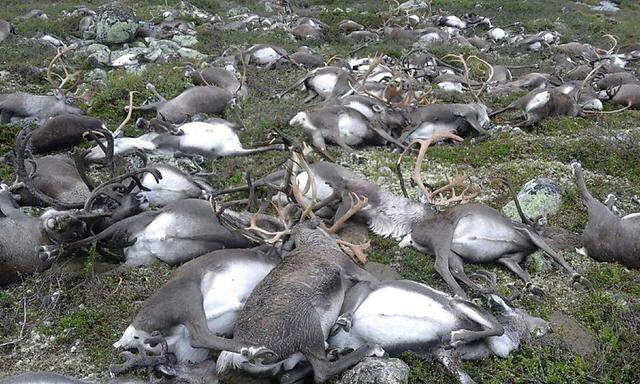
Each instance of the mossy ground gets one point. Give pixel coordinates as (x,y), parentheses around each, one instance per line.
(74,335)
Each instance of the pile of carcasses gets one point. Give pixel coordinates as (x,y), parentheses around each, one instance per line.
(267,283)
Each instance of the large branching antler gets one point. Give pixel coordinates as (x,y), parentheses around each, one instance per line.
(436,197)
(115,190)
(68,76)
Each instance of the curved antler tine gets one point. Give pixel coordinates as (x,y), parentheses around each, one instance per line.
(307,210)
(491,73)
(417,169)
(614,40)
(356,251)
(118,130)
(119,179)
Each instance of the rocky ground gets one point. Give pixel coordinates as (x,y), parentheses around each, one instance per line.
(66,319)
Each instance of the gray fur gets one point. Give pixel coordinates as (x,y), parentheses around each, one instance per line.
(25,105)
(199,99)
(607,236)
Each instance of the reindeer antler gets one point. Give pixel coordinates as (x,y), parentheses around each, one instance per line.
(67,75)
(457,181)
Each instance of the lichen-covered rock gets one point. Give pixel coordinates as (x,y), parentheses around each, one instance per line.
(98,55)
(5,29)
(97,75)
(116,26)
(413,5)
(376,370)
(192,54)
(185,40)
(538,262)
(572,334)
(538,197)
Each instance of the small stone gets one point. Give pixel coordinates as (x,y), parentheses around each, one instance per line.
(572,334)
(116,26)
(185,40)
(189,53)
(538,197)
(380,180)
(376,370)
(537,262)
(98,55)
(413,5)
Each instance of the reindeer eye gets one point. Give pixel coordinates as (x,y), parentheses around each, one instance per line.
(136,337)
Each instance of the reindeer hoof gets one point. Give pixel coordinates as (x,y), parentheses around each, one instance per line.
(343,322)
(580,282)
(262,355)
(537,294)
(46,253)
(358,158)
(376,351)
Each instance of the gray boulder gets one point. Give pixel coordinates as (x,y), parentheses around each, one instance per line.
(98,55)
(538,197)
(5,29)
(116,26)
(376,370)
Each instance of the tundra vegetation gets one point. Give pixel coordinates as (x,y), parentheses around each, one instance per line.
(66,318)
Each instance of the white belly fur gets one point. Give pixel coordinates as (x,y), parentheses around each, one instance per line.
(391,317)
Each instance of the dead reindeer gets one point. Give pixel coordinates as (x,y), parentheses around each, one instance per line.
(305,57)
(264,55)
(531,81)
(325,82)
(538,104)
(174,184)
(431,323)
(24,105)
(502,73)
(341,125)
(53,179)
(393,116)
(607,81)
(211,139)
(199,99)
(627,95)
(281,303)
(63,131)
(178,232)
(21,234)
(209,290)
(434,119)
(607,236)
(474,233)
(54,378)
(219,77)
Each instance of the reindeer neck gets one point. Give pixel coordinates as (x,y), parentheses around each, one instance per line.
(396,216)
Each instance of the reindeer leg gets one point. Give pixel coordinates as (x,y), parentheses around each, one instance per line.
(512,262)
(324,370)
(251,151)
(456,267)
(352,301)
(453,365)
(443,257)
(488,323)
(540,243)
(199,333)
